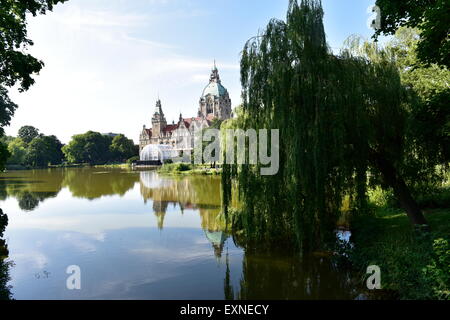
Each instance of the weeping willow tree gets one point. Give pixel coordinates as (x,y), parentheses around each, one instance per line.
(338,116)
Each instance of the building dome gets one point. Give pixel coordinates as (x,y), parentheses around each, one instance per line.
(215,89)
(155,152)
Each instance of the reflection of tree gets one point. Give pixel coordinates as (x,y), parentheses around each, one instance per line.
(227,285)
(5,290)
(275,275)
(93,183)
(34,186)
(28,201)
(31,187)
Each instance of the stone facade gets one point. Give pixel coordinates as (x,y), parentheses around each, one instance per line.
(215,103)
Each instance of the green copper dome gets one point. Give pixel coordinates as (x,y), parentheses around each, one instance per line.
(214,89)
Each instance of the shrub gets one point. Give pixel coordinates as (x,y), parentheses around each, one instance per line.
(175,167)
(438,272)
(133,159)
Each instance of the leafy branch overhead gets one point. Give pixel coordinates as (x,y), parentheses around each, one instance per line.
(431,17)
(16,65)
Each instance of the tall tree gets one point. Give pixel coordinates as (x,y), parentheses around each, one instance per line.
(339,118)
(122,148)
(27,133)
(44,150)
(428,86)
(90,147)
(4,155)
(431,17)
(17,66)
(18,150)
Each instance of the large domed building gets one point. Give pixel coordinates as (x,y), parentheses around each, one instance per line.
(215,100)
(215,103)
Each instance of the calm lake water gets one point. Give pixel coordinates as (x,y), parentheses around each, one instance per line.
(140,235)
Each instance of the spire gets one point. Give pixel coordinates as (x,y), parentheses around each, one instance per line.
(158,115)
(158,108)
(214,74)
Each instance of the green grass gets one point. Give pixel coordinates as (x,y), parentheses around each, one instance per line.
(187,169)
(414,264)
(116,165)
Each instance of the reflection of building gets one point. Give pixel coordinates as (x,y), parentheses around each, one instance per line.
(187,193)
(217,239)
(159,209)
(215,103)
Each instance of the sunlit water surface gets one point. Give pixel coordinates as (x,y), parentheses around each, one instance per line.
(139,235)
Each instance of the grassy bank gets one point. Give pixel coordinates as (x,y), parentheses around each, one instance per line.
(414,264)
(68,165)
(187,169)
(116,165)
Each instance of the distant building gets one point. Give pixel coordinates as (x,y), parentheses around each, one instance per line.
(215,103)
(110,134)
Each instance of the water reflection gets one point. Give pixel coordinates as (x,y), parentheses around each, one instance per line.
(291,277)
(5,289)
(194,193)
(29,191)
(139,235)
(92,184)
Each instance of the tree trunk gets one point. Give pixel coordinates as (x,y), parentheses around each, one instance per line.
(401,190)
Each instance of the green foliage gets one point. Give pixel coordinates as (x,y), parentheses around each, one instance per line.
(16,65)
(18,151)
(428,124)
(122,148)
(90,147)
(175,167)
(4,155)
(380,197)
(7,108)
(409,265)
(430,17)
(438,272)
(44,150)
(133,159)
(3,222)
(28,133)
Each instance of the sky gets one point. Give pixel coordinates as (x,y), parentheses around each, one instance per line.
(108,61)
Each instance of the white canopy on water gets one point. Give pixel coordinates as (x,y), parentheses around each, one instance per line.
(151,180)
(155,152)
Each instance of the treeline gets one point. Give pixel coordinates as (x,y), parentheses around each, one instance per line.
(34,149)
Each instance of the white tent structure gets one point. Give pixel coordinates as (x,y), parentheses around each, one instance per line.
(155,152)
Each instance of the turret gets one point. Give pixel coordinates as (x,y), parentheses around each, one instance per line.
(158,120)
